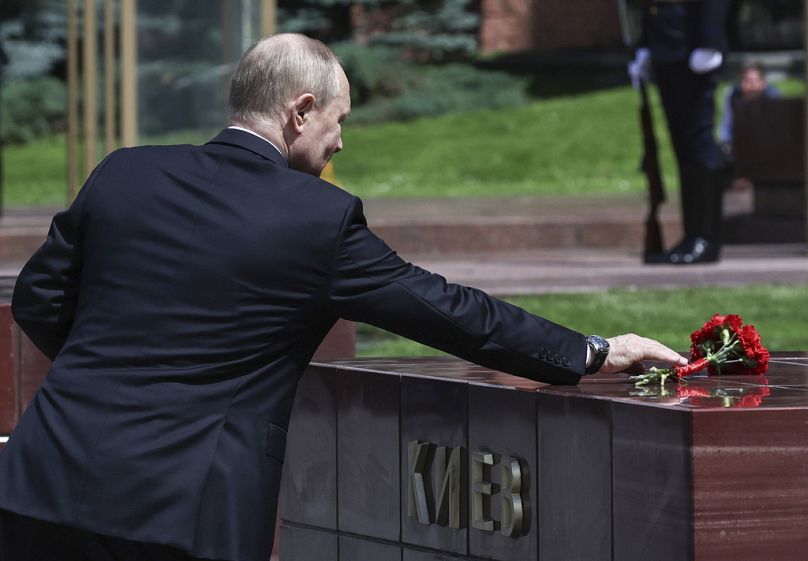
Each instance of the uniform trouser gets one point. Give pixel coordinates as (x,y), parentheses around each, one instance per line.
(689,102)
(29,539)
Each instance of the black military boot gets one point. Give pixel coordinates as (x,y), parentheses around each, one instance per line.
(701,211)
(702,196)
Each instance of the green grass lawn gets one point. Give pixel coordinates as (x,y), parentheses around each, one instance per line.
(667,315)
(581,144)
(578,144)
(588,143)
(35,174)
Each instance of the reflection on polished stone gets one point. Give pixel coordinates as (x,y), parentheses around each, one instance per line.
(309,484)
(714,469)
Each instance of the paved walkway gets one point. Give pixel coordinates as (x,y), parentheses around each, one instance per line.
(587,270)
(588,243)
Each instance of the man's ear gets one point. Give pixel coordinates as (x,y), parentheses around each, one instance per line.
(303,105)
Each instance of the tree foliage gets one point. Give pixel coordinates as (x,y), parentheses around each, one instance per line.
(424,30)
(33,35)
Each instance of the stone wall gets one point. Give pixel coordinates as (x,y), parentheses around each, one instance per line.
(22,369)
(577,23)
(520,25)
(514,25)
(507,25)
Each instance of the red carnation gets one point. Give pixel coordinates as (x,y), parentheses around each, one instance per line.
(724,346)
(754,350)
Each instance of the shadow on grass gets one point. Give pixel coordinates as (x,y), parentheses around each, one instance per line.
(564,73)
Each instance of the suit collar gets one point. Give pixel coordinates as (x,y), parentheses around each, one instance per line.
(254,144)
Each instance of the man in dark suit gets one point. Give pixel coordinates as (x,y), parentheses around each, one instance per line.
(181,297)
(686,41)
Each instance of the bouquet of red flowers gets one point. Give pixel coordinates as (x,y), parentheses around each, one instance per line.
(724,346)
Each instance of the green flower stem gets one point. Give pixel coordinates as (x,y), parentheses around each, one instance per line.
(653,375)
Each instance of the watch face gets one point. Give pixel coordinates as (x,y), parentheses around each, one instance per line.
(599,344)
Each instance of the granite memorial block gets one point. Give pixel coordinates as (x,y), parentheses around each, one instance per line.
(434,456)
(8,373)
(502,431)
(712,469)
(340,342)
(309,484)
(574,469)
(358,549)
(651,475)
(368,455)
(421,555)
(750,482)
(306,544)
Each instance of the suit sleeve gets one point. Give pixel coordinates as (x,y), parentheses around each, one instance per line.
(371,284)
(645,24)
(45,294)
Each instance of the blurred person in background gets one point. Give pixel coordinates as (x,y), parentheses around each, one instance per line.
(685,43)
(752,84)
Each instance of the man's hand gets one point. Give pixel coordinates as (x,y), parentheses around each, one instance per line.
(627,353)
(639,69)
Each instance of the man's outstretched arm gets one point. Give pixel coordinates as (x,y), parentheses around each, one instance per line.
(373,285)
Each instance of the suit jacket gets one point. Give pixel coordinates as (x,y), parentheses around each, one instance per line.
(180,297)
(672,29)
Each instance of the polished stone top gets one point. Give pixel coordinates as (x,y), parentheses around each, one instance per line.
(784,386)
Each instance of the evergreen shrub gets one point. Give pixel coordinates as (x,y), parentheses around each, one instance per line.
(32,108)
(385,88)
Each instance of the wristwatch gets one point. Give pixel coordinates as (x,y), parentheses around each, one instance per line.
(600,350)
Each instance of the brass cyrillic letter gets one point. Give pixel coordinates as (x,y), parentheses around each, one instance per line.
(417,507)
(481,490)
(450,482)
(512,513)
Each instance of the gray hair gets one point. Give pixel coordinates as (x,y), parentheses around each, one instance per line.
(276,70)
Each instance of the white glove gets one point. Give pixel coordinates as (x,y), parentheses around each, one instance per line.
(639,69)
(703,61)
